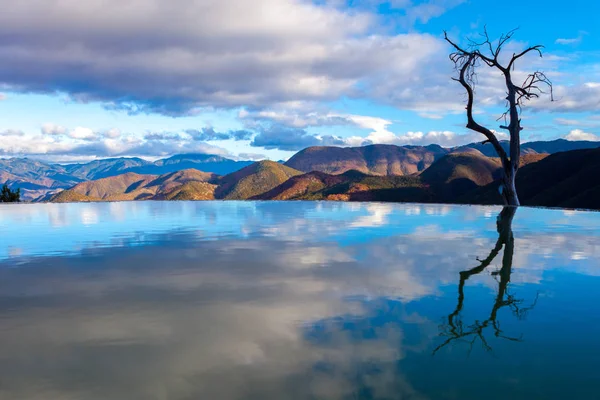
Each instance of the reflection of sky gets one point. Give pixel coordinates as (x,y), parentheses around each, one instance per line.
(53,228)
(268,300)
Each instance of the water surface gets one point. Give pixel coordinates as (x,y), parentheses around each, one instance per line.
(297,300)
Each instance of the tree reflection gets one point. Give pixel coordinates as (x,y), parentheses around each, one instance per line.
(455,329)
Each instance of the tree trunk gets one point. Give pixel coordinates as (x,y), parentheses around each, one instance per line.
(508,189)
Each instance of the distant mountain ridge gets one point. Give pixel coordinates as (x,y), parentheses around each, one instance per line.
(566,179)
(379,159)
(385,160)
(39,180)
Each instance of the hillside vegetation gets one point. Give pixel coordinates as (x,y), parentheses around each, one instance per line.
(565,179)
(188,184)
(378,159)
(253,180)
(39,181)
(349,186)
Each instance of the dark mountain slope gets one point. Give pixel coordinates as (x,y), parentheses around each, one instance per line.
(459,173)
(349,186)
(566,179)
(302,186)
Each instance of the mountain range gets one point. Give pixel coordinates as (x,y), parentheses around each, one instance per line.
(465,174)
(38,179)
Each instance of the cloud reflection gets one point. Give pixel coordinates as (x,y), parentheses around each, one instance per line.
(254,300)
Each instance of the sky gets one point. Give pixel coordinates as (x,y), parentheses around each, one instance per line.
(266,78)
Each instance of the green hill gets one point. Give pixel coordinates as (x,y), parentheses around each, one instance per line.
(190,191)
(253,180)
(69,196)
(189,183)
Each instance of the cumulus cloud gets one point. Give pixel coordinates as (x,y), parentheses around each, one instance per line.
(252,156)
(278,135)
(78,133)
(2,96)
(112,133)
(11,133)
(568,41)
(218,53)
(84,143)
(53,129)
(162,136)
(292,139)
(297,115)
(571,41)
(380,134)
(82,133)
(208,134)
(590,122)
(584,97)
(443,138)
(578,134)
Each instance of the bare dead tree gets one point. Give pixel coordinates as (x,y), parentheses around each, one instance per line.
(487,53)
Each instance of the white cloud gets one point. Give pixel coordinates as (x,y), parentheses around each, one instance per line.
(174,57)
(588,122)
(81,133)
(578,134)
(443,138)
(583,97)
(568,41)
(252,156)
(113,133)
(53,129)
(83,144)
(571,41)
(11,133)
(2,96)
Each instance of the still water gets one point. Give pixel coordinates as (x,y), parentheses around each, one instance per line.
(297,300)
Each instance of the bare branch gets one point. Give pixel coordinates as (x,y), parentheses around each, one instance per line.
(466,62)
(538,48)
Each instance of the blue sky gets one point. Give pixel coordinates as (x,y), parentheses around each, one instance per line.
(263,79)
